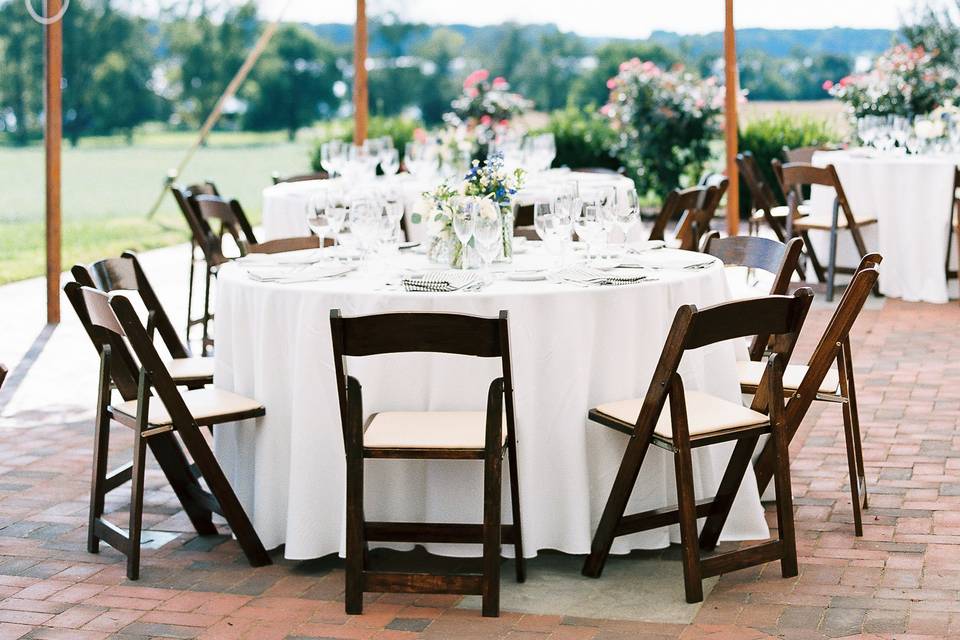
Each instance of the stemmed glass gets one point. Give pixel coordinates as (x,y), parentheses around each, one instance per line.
(365,223)
(466,210)
(589,226)
(390,161)
(317,218)
(486,234)
(626,212)
(550,228)
(332,156)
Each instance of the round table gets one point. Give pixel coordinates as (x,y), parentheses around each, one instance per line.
(285,204)
(912,198)
(572,348)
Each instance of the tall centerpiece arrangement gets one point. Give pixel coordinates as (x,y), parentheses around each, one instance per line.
(493,186)
(486,107)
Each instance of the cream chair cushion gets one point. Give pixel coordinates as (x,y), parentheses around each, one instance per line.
(783,211)
(428,430)
(705,414)
(190,368)
(205,405)
(823,222)
(751,372)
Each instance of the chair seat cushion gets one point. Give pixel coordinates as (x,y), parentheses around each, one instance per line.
(823,222)
(705,414)
(783,211)
(190,369)
(750,374)
(208,406)
(428,430)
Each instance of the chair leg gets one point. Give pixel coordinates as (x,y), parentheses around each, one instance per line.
(193,263)
(785,526)
(616,503)
(851,396)
(832,264)
(812,256)
(136,507)
(686,507)
(492,485)
(206,311)
(356,552)
(726,492)
(521,561)
(169,455)
(101,447)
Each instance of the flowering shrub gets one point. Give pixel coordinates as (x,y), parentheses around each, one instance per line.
(903,81)
(486,106)
(664,121)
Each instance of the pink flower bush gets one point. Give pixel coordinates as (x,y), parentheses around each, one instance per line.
(486,107)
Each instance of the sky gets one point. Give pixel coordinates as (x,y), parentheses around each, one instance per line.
(616,18)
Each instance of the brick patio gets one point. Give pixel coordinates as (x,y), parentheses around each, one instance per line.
(902,579)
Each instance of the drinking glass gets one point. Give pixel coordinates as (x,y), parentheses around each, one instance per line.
(487,235)
(589,226)
(365,222)
(390,161)
(626,212)
(317,218)
(548,226)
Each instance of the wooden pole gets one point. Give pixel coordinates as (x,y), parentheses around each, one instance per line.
(360,97)
(730,117)
(53,136)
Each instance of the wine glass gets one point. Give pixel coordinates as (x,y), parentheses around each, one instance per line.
(465,213)
(487,232)
(548,227)
(390,161)
(317,218)
(365,222)
(626,212)
(589,226)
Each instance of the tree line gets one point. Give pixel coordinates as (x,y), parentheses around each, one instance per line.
(122,70)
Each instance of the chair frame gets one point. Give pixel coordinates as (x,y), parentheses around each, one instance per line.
(109,321)
(762,197)
(796,175)
(438,333)
(696,206)
(3,373)
(126,274)
(303,177)
(954,227)
(777,258)
(834,346)
(781,316)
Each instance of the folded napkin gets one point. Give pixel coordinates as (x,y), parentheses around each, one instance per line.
(300,257)
(589,276)
(442,282)
(290,275)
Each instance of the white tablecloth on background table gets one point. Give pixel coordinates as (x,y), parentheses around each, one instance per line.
(911,197)
(572,348)
(285,204)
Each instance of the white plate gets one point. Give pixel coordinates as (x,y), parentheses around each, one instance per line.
(527,275)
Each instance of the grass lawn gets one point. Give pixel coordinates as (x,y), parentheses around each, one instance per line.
(109,186)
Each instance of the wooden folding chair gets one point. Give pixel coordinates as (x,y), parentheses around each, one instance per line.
(794,177)
(764,204)
(428,436)
(954,226)
(695,208)
(776,258)
(155,410)
(126,274)
(3,373)
(817,381)
(695,419)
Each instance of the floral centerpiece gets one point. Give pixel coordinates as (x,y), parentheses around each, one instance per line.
(904,81)
(664,120)
(486,107)
(488,181)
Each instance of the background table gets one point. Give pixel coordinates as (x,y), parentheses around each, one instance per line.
(911,197)
(572,348)
(285,204)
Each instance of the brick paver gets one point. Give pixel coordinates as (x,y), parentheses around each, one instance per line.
(901,580)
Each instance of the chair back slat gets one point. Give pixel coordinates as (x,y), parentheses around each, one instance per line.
(281,245)
(770,315)
(762,195)
(305,177)
(695,207)
(418,332)
(100,312)
(755,252)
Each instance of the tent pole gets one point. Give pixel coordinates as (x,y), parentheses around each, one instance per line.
(53,136)
(731,121)
(360,99)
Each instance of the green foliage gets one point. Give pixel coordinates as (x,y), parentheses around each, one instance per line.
(796,77)
(766,138)
(400,129)
(583,137)
(292,84)
(935,29)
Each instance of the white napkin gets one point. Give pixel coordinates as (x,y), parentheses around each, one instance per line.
(442,281)
(289,275)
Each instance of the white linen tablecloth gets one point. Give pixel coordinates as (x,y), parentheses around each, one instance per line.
(572,348)
(911,197)
(285,204)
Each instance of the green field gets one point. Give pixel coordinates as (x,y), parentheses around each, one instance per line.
(109,186)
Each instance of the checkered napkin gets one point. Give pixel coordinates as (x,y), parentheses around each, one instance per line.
(442,281)
(589,276)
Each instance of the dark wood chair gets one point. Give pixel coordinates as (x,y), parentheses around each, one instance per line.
(694,419)
(794,177)
(954,227)
(305,177)
(282,245)
(126,274)
(803,154)
(768,255)
(817,381)
(161,418)
(3,373)
(428,436)
(764,204)
(695,208)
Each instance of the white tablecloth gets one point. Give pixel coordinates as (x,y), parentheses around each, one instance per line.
(911,197)
(572,349)
(285,205)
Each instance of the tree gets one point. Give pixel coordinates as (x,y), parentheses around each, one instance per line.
(395,83)
(121,99)
(547,73)
(439,86)
(935,28)
(591,87)
(21,61)
(292,83)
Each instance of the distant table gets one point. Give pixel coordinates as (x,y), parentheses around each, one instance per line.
(572,348)
(912,199)
(285,204)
